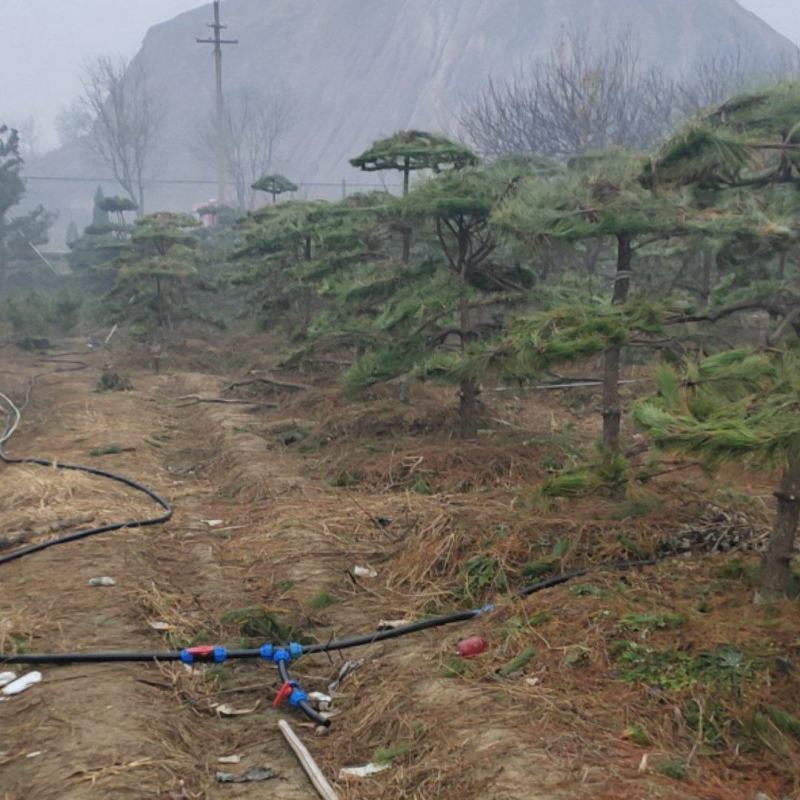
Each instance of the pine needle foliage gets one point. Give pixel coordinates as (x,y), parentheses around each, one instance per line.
(600,195)
(274,185)
(414,150)
(160,256)
(738,404)
(751,140)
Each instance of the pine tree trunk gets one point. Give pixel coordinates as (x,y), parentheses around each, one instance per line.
(406,229)
(708,266)
(468,394)
(468,409)
(160,303)
(775,576)
(612,412)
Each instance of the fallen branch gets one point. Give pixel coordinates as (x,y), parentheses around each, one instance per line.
(324,789)
(193,400)
(20,537)
(268,381)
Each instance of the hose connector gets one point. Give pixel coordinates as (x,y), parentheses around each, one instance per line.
(297,696)
(295,650)
(266,652)
(204,653)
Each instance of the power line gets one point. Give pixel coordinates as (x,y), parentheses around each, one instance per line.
(205,182)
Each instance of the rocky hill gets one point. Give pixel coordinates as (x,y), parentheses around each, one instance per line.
(357,69)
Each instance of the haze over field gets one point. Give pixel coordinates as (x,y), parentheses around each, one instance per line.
(444,354)
(51,38)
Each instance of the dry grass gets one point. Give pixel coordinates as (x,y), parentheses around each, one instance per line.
(571,722)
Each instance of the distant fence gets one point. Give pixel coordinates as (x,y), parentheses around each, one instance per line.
(70,198)
(344,186)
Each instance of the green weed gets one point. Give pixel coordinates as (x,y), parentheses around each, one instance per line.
(322,600)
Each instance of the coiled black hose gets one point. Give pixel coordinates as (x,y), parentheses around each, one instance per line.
(12,420)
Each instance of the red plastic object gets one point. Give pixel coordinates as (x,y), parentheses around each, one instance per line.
(283,693)
(474,646)
(202,651)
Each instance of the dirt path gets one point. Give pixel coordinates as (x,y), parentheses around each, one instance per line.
(284,544)
(130,730)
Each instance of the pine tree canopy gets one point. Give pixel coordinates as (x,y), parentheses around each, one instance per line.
(414,150)
(736,404)
(472,192)
(599,195)
(274,184)
(159,233)
(586,326)
(752,140)
(11,186)
(117,205)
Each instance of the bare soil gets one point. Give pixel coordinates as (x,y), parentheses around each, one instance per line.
(305,492)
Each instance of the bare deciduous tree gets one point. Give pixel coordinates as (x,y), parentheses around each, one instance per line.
(714,79)
(28,129)
(581,97)
(118,118)
(576,99)
(256,122)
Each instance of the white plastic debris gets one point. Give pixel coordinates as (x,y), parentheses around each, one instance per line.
(7,677)
(251,776)
(33,754)
(104,581)
(21,684)
(364,572)
(344,671)
(389,624)
(229,711)
(158,625)
(362,772)
(214,523)
(320,700)
(229,759)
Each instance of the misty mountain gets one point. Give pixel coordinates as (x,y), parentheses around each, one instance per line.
(359,69)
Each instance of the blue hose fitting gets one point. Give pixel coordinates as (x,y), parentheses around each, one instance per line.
(266,652)
(297,696)
(281,654)
(295,650)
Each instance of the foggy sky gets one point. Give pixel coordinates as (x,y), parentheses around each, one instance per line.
(45,42)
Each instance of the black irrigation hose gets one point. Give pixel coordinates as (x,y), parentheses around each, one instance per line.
(302,704)
(12,420)
(579,573)
(394,633)
(326,647)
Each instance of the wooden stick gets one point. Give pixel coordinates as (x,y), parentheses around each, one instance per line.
(324,789)
(191,400)
(269,381)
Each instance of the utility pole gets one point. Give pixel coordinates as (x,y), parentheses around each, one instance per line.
(218,41)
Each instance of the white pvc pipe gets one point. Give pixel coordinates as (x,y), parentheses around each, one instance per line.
(324,789)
